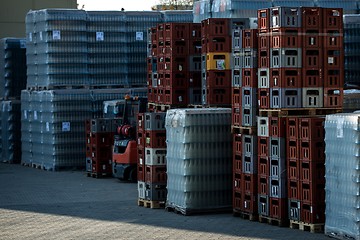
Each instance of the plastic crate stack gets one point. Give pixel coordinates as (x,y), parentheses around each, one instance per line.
(99,146)
(174,66)
(342,176)
(352,50)
(199,163)
(151,170)
(12,81)
(215,62)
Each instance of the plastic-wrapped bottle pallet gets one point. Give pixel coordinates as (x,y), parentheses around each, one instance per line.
(351,48)
(26,128)
(291,3)
(342,175)
(12,67)
(238,8)
(183,16)
(349,6)
(202,10)
(199,162)
(10,131)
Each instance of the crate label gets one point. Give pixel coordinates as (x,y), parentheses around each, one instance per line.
(139,36)
(25,114)
(220,64)
(331,60)
(104,167)
(274,21)
(41,36)
(22,43)
(56,35)
(141,161)
(66,126)
(35,115)
(99,36)
(339,128)
(47,126)
(30,37)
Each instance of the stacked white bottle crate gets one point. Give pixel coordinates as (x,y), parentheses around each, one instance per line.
(342,175)
(199,160)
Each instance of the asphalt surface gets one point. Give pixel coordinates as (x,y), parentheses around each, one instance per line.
(37,204)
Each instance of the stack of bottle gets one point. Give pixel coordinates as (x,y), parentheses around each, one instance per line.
(352,50)
(152,177)
(99,146)
(198,160)
(238,8)
(306,169)
(12,81)
(174,64)
(342,176)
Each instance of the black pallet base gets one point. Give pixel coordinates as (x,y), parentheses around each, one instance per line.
(274,221)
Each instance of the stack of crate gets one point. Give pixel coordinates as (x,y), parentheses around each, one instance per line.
(174,64)
(99,141)
(151,159)
(215,62)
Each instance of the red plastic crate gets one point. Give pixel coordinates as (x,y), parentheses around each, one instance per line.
(312,58)
(264,40)
(237,163)
(195,79)
(278,208)
(195,47)
(160,31)
(277,127)
(195,31)
(216,44)
(175,80)
(285,78)
(292,130)
(141,173)
(333,78)
(263,166)
(219,96)
(293,169)
(312,78)
(177,30)
(285,38)
(312,172)
(332,18)
(263,146)
(333,98)
(237,143)
(264,19)
(312,213)
(215,27)
(237,200)
(312,192)
(236,97)
(155,174)
(333,58)
(264,58)
(312,128)
(155,139)
(263,183)
(249,183)
(293,190)
(312,151)
(292,149)
(333,39)
(250,38)
(176,96)
(101,167)
(250,203)
(101,153)
(249,77)
(141,139)
(236,117)
(312,38)
(100,139)
(140,123)
(311,17)
(153,32)
(176,47)
(175,63)
(264,97)
(218,78)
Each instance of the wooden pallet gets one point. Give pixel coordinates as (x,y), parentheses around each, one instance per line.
(151,204)
(244,130)
(274,221)
(309,227)
(298,112)
(245,215)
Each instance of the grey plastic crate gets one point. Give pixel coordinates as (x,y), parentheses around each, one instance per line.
(263,78)
(88,166)
(278,167)
(155,192)
(285,58)
(236,78)
(277,147)
(195,96)
(155,156)
(100,125)
(248,118)
(249,58)
(263,205)
(249,164)
(237,61)
(285,17)
(195,63)
(249,145)
(154,121)
(313,97)
(249,99)
(263,126)
(294,210)
(278,187)
(203,63)
(286,98)
(141,189)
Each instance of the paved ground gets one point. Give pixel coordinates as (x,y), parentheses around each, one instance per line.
(36,204)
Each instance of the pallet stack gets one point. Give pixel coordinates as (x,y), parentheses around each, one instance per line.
(151,170)
(299,79)
(99,143)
